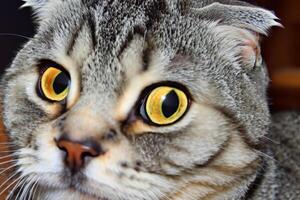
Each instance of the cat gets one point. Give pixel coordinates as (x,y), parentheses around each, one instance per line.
(145,100)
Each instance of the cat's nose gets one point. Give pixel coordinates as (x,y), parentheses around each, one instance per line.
(78,152)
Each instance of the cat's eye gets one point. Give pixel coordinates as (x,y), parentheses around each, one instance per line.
(54,84)
(164,105)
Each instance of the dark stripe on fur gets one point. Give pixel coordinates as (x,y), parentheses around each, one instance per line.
(239,126)
(92,25)
(74,38)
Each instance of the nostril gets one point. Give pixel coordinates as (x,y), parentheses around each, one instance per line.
(91,152)
(62,148)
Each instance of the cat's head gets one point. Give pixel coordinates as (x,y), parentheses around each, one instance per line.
(138,99)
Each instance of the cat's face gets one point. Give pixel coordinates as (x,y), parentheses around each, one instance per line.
(144,100)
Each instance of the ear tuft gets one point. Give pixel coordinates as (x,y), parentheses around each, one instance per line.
(38,7)
(248,17)
(35,4)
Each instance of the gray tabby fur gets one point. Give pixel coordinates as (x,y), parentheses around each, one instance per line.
(204,45)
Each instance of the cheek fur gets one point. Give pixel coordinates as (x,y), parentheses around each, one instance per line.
(206,133)
(201,140)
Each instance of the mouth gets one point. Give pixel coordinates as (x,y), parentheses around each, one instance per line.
(77,186)
(77,183)
(73,180)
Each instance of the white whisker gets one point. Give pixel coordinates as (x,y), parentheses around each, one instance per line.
(21,187)
(34,188)
(11,184)
(4,157)
(265,155)
(9,161)
(8,143)
(20,179)
(8,152)
(15,35)
(11,155)
(26,188)
(5,182)
(7,146)
(8,168)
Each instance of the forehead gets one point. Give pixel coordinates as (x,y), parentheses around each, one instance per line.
(110,25)
(109,22)
(95,35)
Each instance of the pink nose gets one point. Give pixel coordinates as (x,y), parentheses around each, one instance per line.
(76,153)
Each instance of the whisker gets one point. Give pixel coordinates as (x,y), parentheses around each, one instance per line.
(9,161)
(11,184)
(7,145)
(271,140)
(21,187)
(5,182)
(32,185)
(12,191)
(9,151)
(15,35)
(3,157)
(6,142)
(265,155)
(6,149)
(34,188)
(8,168)
(26,188)
(10,155)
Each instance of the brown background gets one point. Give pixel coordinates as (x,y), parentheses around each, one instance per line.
(282,54)
(281,50)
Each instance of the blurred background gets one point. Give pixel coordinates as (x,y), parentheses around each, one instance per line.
(282,54)
(280,50)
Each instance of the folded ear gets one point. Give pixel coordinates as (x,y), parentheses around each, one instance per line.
(240,22)
(249,17)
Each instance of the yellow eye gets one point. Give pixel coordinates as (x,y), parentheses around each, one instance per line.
(165,105)
(54,84)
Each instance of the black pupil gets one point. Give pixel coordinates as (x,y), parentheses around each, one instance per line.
(170,104)
(60,83)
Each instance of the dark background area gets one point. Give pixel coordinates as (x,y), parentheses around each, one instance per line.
(14,24)
(281,49)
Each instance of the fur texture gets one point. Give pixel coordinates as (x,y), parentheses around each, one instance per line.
(115,49)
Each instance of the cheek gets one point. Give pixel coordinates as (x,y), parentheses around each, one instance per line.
(149,148)
(205,136)
(202,134)
(48,155)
